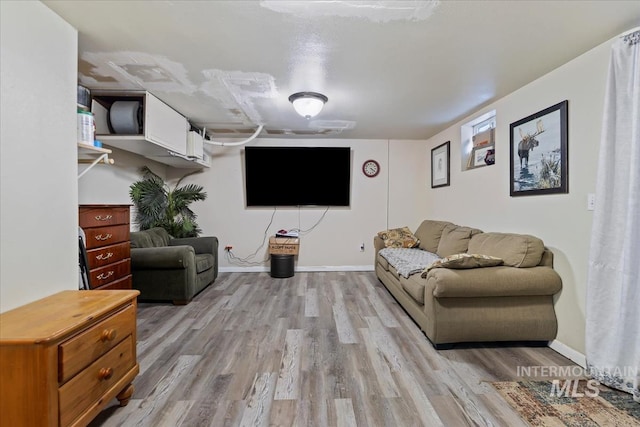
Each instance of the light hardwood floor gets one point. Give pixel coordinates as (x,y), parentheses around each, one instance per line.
(317,349)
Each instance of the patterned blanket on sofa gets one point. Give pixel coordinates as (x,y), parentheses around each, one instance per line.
(408,261)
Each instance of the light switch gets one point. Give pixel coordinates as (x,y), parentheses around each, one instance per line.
(591,201)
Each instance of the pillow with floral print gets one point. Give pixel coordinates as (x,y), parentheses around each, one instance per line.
(399,238)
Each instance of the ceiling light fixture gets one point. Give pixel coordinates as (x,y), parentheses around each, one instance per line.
(308,104)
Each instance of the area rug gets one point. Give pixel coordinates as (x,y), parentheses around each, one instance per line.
(581,404)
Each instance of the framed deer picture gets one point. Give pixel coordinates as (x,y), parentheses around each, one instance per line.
(539,155)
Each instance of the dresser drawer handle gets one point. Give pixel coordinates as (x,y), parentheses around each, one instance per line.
(105,237)
(105,373)
(101,257)
(108,335)
(103,218)
(103,276)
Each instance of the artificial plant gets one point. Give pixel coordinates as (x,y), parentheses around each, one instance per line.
(158,205)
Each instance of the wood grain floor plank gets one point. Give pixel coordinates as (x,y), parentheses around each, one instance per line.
(209,400)
(379,366)
(207,317)
(345,416)
(150,408)
(474,407)
(311,308)
(256,412)
(316,349)
(387,318)
(288,384)
(174,413)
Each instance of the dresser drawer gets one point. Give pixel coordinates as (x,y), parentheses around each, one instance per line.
(109,273)
(37,345)
(92,383)
(103,236)
(108,254)
(78,352)
(124,283)
(103,216)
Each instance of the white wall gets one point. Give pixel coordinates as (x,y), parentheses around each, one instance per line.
(109,184)
(333,244)
(410,178)
(480,197)
(335,241)
(39,216)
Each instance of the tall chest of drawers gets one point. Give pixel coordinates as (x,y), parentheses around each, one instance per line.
(106,228)
(65,357)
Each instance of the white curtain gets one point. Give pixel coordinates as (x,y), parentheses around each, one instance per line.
(613,288)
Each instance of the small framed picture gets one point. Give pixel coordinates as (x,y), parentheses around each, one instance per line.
(440,165)
(539,155)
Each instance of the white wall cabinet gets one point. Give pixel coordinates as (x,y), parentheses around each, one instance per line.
(163,132)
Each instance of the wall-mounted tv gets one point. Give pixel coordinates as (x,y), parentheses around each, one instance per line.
(297,176)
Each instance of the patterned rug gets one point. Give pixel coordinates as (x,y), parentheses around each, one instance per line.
(573,404)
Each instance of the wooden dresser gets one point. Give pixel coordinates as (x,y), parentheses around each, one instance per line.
(65,357)
(108,247)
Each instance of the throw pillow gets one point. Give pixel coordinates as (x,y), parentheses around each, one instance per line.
(517,250)
(429,233)
(399,238)
(461,261)
(454,240)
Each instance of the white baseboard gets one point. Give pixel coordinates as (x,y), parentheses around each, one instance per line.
(258,269)
(569,353)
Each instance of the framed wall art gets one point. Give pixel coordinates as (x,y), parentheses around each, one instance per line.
(440,162)
(539,156)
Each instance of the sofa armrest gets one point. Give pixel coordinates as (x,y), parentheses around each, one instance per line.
(492,282)
(378,244)
(165,257)
(202,245)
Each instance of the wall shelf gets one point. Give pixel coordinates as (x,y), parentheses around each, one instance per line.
(163,131)
(92,155)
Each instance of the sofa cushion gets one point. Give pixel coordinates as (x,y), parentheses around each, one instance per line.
(159,236)
(462,261)
(407,261)
(204,262)
(454,240)
(429,233)
(516,250)
(414,286)
(140,239)
(399,238)
(383,262)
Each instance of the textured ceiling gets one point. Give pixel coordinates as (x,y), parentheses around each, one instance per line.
(391,69)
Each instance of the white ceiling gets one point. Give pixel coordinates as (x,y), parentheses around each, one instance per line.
(391,69)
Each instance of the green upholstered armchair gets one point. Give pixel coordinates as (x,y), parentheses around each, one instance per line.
(165,268)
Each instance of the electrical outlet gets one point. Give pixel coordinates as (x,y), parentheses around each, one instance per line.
(591,201)
(361,247)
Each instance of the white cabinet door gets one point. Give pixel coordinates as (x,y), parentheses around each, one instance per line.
(165,126)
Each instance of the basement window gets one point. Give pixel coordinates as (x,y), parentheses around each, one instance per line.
(478,142)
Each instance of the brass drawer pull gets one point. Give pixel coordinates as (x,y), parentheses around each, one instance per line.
(105,373)
(101,257)
(108,335)
(105,237)
(103,276)
(103,218)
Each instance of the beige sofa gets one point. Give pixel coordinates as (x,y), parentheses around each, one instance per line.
(508,302)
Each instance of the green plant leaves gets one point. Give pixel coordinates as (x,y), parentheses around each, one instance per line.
(159,206)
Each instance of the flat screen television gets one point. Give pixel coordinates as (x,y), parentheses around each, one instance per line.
(297,176)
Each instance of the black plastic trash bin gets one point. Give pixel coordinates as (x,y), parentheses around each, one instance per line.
(281,266)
